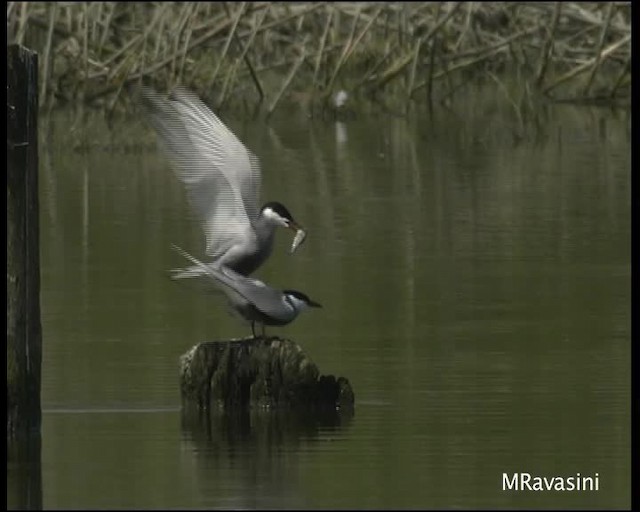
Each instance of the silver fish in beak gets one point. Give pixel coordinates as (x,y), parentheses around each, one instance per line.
(301,234)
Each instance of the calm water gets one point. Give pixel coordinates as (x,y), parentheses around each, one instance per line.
(476,293)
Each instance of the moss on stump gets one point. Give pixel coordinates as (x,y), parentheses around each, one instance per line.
(262,372)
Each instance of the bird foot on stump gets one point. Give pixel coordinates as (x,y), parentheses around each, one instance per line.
(262,372)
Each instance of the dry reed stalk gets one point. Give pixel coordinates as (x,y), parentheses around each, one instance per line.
(69,20)
(323,41)
(245,48)
(584,67)
(47,58)
(229,78)
(402,31)
(187,38)
(22,26)
(495,46)
(183,18)
(290,61)
(603,35)
(381,24)
(439,24)
(282,21)
(299,23)
(95,21)
(575,11)
(11,21)
(33,19)
(160,64)
(105,29)
(128,46)
(548,45)
(285,85)
(118,92)
(432,66)
(564,43)
(226,44)
(10,7)
(503,88)
(626,68)
(432,60)
(446,71)
(467,24)
(482,54)
(362,33)
(389,50)
(394,70)
(125,62)
(135,40)
(85,49)
(160,18)
(412,74)
(350,48)
(142,54)
(345,49)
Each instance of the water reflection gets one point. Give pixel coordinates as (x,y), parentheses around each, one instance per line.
(216,430)
(24,473)
(255,454)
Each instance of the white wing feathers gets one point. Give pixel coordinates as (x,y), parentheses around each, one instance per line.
(221,175)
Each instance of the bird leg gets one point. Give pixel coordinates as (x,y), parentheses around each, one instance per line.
(253,330)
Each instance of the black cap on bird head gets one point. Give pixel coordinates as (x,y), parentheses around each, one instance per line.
(279,208)
(279,211)
(303,297)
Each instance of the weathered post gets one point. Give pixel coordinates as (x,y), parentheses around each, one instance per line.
(24,334)
(261,372)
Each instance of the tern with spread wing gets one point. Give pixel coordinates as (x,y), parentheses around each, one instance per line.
(222,179)
(252,299)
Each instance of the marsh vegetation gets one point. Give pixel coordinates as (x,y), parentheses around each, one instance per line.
(263,53)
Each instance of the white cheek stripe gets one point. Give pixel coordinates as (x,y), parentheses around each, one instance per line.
(270,214)
(298,305)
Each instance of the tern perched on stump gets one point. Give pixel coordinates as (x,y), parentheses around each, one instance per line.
(252,299)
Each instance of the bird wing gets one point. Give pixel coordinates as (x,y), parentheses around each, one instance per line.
(266,299)
(221,175)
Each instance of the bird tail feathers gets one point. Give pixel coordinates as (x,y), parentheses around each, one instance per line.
(188,272)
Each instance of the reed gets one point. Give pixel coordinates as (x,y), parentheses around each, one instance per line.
(272,53)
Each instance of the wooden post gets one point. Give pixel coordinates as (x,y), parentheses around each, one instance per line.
(24,334)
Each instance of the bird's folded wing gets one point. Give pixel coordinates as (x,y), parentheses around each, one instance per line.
(266,299)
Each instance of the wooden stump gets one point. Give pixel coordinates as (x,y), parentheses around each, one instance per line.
(262,372)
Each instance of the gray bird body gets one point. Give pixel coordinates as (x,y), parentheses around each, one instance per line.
(222,178)
(244,257)
(252,299)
